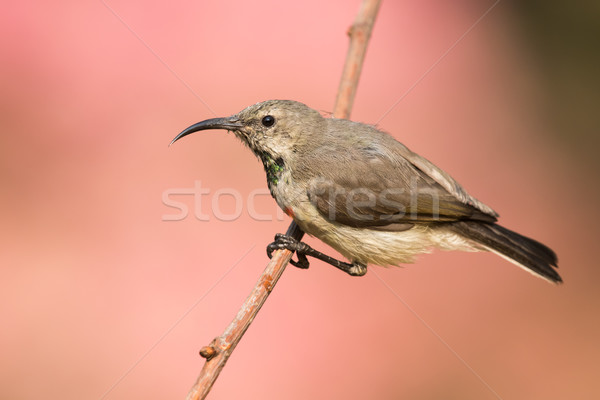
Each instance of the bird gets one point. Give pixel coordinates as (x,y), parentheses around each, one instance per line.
(365,194)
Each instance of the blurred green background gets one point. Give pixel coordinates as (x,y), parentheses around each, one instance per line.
(562,39)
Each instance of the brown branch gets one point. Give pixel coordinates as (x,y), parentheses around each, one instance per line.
(360,33)
(219,350)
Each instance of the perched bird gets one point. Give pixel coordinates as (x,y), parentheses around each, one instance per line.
(367,195)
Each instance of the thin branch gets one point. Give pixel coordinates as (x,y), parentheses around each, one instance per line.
(360,33)
(218,351)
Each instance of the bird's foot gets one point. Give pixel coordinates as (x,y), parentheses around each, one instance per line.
(284,242)
(302,250)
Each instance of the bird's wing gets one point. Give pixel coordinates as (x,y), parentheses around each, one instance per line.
(390,189)
(444,180)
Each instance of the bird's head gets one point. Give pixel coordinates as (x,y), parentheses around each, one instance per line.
(275,127)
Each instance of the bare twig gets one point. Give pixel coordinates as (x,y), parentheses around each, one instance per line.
(360,33)
(219,350)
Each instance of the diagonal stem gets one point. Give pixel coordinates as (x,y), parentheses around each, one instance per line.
(218,351)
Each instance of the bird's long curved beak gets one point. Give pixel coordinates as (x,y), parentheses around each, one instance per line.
(228,123)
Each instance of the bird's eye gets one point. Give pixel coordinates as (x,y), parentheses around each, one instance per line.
(268,121)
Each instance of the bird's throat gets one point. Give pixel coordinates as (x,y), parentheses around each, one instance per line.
(273,167)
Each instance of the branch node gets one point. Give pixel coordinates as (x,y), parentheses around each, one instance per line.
(359,28)
(208,352)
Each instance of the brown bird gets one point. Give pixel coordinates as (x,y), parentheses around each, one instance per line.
(367,195)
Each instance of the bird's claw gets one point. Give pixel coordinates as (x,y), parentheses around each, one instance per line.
(284,242)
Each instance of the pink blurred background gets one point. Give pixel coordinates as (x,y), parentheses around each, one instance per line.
(101,297)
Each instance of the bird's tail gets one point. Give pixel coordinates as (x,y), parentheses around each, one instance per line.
(527,253)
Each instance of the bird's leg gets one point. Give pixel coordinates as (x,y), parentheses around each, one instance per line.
(302,250)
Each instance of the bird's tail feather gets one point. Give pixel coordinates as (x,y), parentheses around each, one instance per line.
(527,253)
